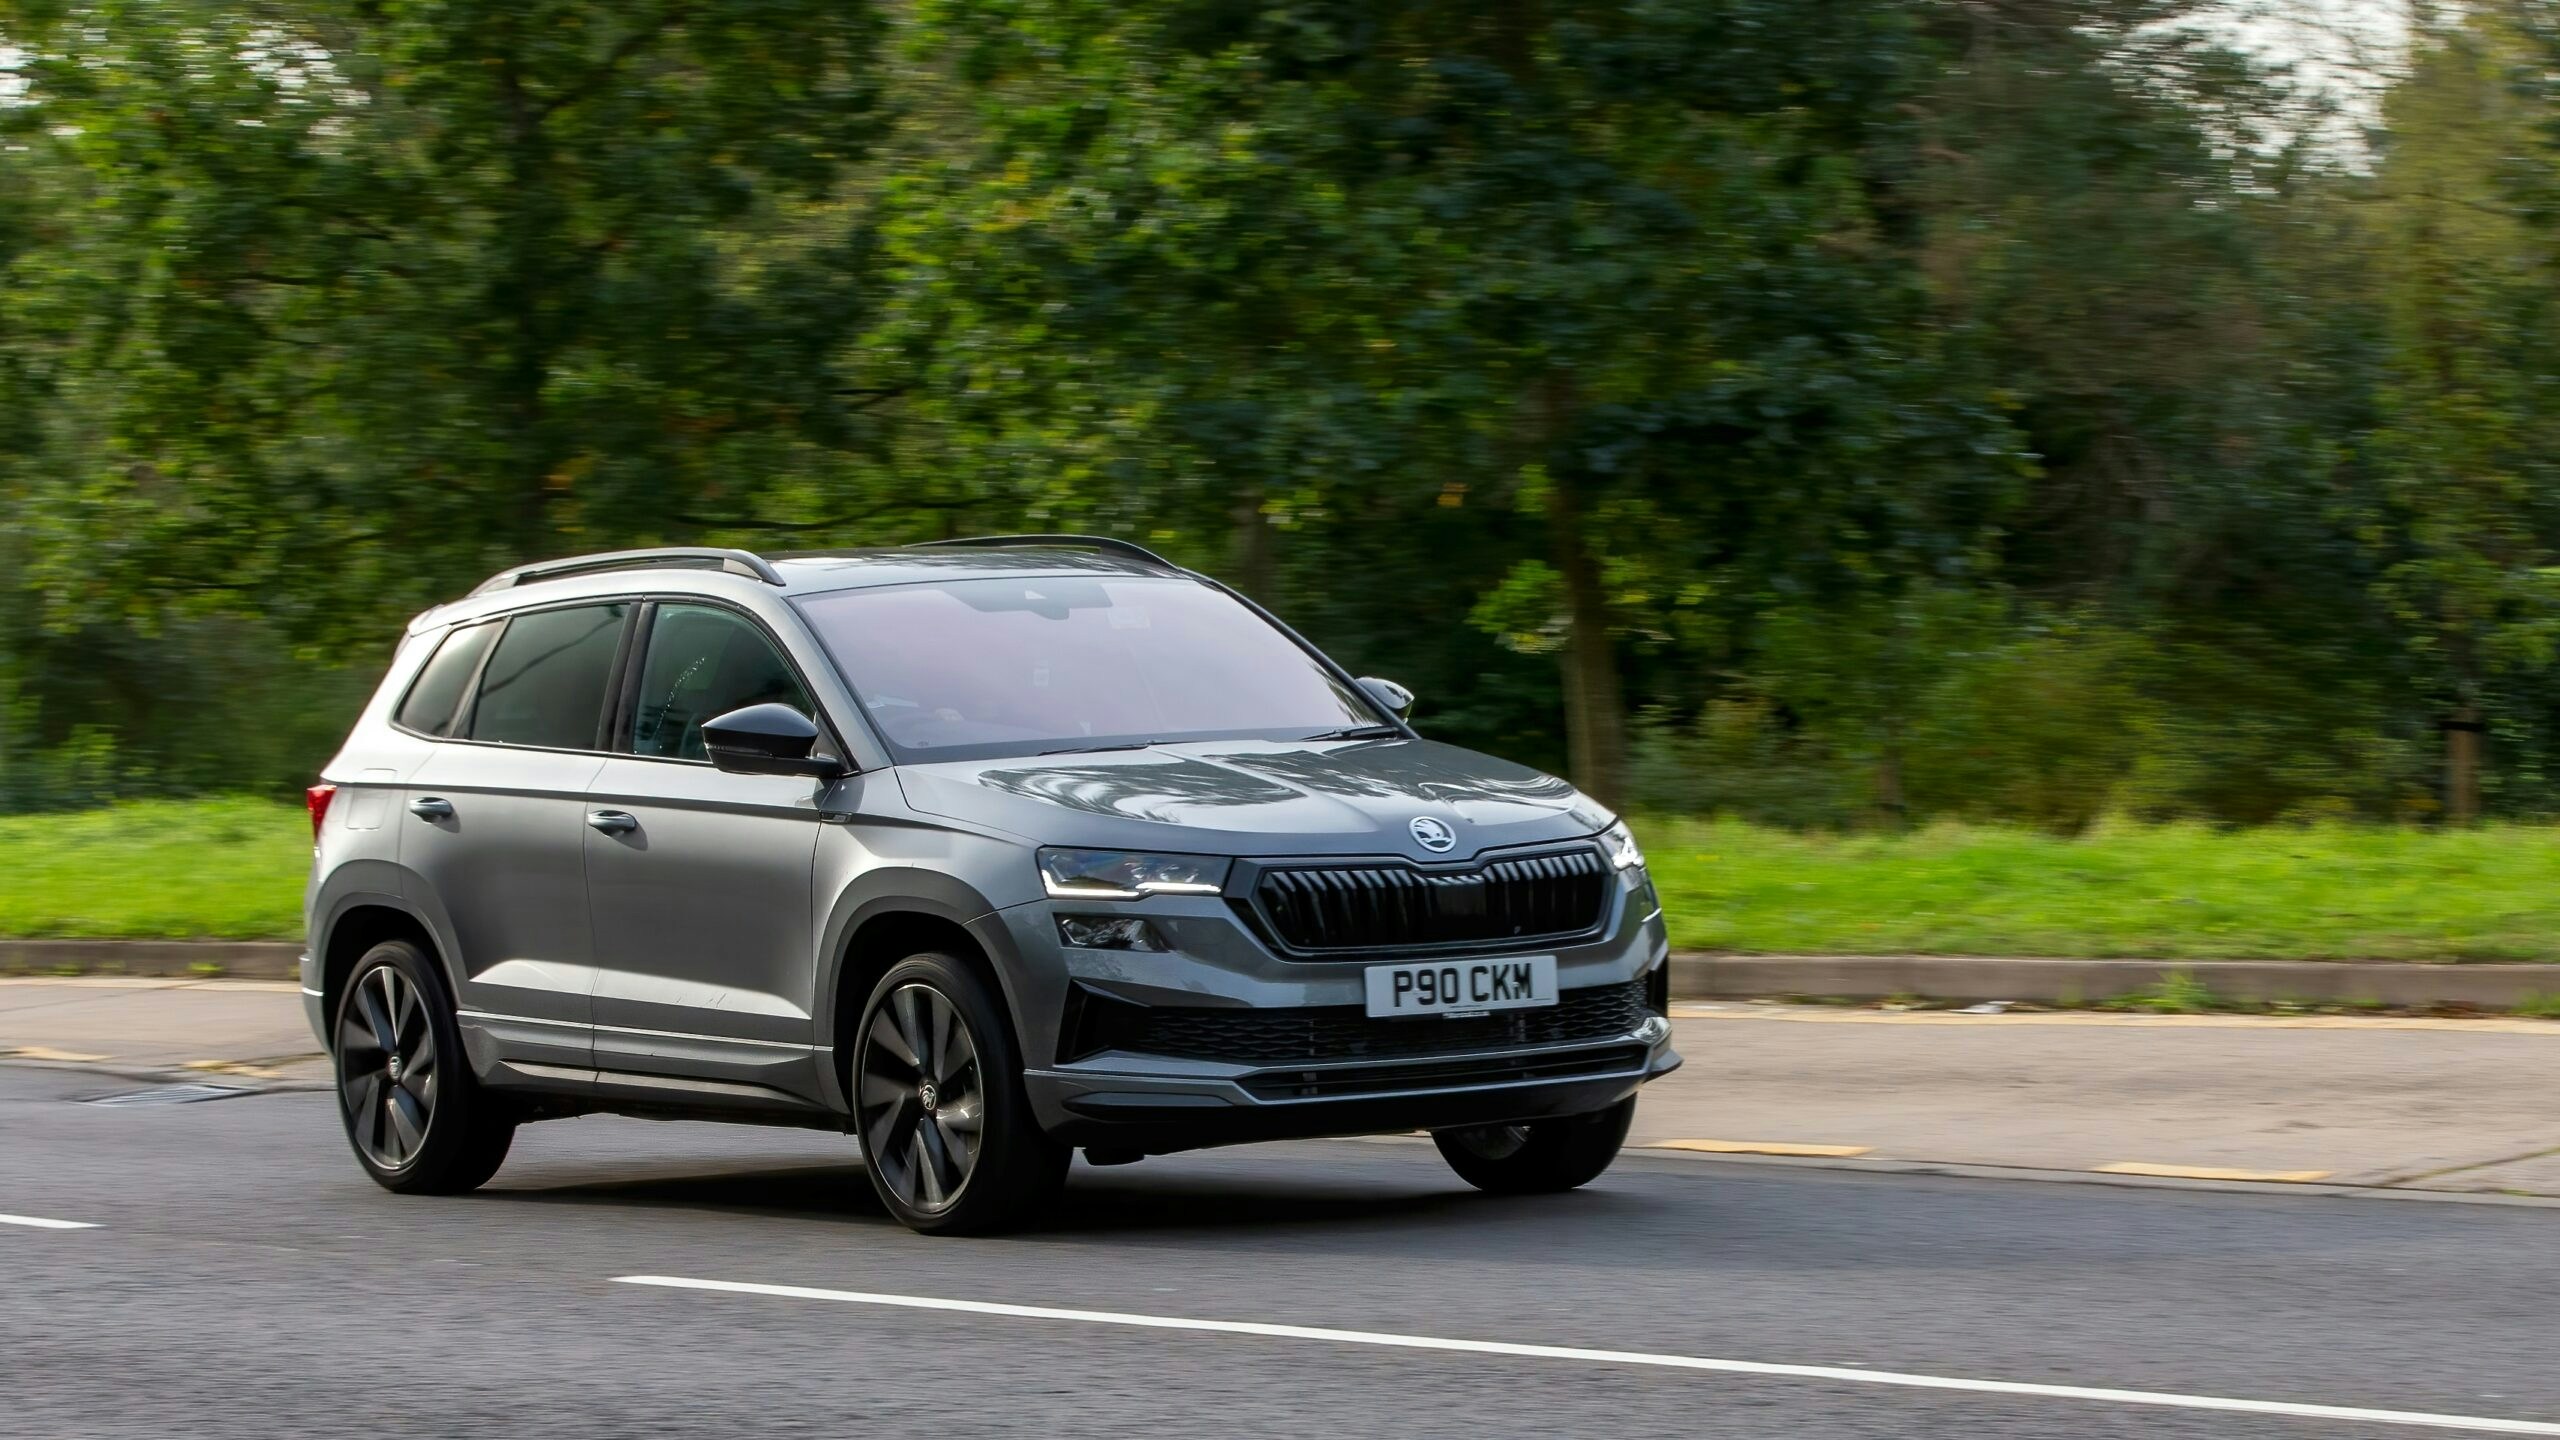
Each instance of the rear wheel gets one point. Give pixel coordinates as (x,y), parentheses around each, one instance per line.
(1540,1156)
(417,1120)
(947,1132)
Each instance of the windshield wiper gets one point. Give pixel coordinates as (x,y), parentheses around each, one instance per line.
(1356,732)
(1098,749)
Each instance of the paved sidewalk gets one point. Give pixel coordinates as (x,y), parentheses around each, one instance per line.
(248,1028)
(2465,1105)
(2439,1105)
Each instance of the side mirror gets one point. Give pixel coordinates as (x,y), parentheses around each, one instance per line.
(767,740)
(1390,696)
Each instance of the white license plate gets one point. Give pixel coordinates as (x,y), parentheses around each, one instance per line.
(1462,987)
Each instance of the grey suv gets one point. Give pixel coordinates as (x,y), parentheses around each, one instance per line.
(979,851)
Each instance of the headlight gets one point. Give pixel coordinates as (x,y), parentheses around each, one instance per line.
(1620,842)
(1117,875)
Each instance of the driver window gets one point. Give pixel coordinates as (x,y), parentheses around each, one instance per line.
(704,662)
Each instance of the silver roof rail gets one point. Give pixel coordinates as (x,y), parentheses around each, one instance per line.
(683,557)
(1110,543)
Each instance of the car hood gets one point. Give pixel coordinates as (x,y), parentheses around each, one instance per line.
(1249,797)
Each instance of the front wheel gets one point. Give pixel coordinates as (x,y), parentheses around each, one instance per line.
(1541,1156)
(947,1132)
(418,1122)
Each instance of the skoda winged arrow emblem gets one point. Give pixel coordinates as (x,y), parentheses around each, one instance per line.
(1433,835)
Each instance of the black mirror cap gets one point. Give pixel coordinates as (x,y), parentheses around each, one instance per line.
(1390,696)
(770,739)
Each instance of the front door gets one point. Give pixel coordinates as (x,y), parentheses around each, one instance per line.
(494,830)
(698,881)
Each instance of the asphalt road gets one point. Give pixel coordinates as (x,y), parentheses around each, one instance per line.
(243,1279)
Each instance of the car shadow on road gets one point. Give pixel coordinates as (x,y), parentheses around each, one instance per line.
(1135,1202)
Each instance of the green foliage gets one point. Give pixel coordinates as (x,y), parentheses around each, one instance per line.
(234,869)
(2120,889)
(1739,758)
(1836,412)
(2178,992)
(217,869)
(2469,496)
(334,308)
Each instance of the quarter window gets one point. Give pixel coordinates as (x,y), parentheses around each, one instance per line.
(702,663)
(546,681)
(437,692)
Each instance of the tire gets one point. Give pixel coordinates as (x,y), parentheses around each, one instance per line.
(1538,1158)
(416,1119)
(947,1133)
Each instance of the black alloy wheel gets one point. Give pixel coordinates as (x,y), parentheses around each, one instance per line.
(1539,1156)
(923,1100)
(947,1132)
(417,1120)
(387,1067)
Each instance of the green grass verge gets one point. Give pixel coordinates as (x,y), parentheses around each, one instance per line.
(2161,891)
(227,869)
(234,869)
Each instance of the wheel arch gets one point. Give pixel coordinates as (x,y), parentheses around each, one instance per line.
(358,924)
(893,914)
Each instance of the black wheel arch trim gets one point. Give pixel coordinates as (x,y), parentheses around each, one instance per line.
(892,890)
(412,898)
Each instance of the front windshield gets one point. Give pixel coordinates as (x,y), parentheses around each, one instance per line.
(974,669)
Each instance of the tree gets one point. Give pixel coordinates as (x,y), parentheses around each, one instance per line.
(339,306)
(2471,499)
(1606,269)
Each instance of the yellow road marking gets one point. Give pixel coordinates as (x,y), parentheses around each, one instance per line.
(46,1052)
(232,1067)
(1760,1147)
(2501,1024)
(2212,1172)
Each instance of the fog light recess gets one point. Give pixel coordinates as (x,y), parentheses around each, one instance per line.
(1113,932)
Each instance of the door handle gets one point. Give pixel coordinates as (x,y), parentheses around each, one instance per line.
(431,808)
(613,822)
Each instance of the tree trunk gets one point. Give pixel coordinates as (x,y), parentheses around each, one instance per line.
(1249,554)
(2462,766)
(1896,668)
(1594,709)
(1889,775)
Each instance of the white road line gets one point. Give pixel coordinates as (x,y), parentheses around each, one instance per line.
(38,1222)
(2160,1398)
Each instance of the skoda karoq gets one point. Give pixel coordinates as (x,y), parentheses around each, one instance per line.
(979,852)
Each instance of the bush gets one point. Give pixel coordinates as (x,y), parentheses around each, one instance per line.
(2050,719)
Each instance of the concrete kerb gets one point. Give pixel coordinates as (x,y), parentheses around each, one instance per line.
(1693,976)
(231,959)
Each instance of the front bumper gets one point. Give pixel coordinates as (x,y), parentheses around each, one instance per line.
(1155,1101)
(1182,1105)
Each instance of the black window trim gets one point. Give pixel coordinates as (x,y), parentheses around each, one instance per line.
(470,707)
(621,694)
(611,730)
(625,690)
(470,683)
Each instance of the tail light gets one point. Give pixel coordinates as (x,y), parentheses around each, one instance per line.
(316,800)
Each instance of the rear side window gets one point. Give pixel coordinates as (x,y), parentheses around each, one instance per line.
(437,692)
(702,663)
(546,680)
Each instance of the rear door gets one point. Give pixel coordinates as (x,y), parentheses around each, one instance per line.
(698,881)
(494,832)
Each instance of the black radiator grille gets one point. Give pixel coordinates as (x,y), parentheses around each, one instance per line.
(1393,906)
(1322,1033)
